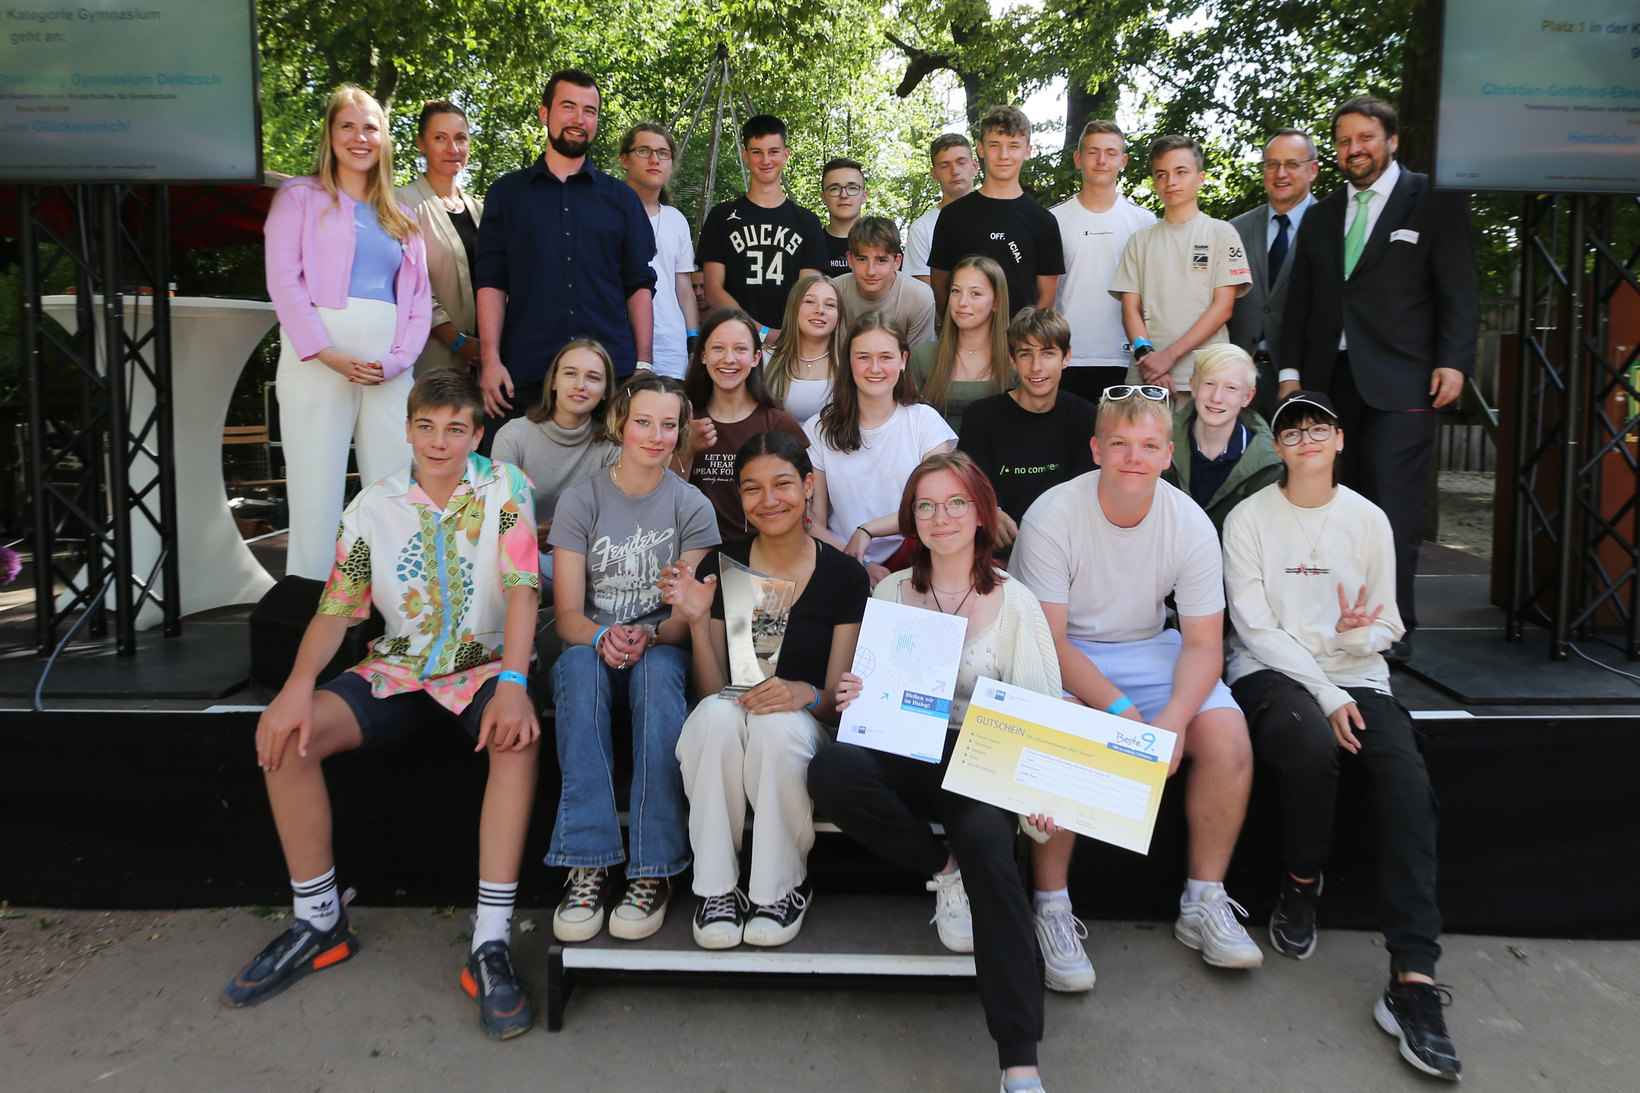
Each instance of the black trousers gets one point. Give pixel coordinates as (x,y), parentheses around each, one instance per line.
(1090,382)
(1291,734)
(526,396)
(1386,460)
(885,802)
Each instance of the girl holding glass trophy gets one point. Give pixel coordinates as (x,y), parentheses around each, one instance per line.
(773,622)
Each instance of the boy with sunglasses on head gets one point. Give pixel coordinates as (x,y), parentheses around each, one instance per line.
(1077,550)
(1303,560)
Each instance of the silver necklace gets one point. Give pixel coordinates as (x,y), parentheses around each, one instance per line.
(811,360)
(936,594)
(1315,543)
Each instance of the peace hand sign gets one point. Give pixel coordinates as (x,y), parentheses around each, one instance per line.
(1353,618)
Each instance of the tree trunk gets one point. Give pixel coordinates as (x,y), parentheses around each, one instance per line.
(1083,104)
(1420,86)
(387,83)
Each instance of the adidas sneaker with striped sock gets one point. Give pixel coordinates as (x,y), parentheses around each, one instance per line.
(316,901)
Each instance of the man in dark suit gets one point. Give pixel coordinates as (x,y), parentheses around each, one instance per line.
(1382,314)
(1267,233)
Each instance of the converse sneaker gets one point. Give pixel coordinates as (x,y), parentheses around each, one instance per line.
(580,914)
(504,1009)
(1059,934)
(1292,923)
(778,922)
(1411,1012)
(642,910)
(720,921)
(951,915)
(1210,926)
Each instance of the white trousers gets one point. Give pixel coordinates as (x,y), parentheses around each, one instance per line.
(729,759)
(321,413)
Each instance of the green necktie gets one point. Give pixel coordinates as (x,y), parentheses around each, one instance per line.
(1356,241)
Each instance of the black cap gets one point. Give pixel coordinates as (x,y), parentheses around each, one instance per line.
(1304,398)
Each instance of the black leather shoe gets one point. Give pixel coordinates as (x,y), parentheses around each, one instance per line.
(1401,651)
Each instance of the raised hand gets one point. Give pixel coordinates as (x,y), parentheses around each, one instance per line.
(1353,617)
(680,589)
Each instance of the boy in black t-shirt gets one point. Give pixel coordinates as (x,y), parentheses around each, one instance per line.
(843,189)
(1000,221)
(1035,436)
(755,247)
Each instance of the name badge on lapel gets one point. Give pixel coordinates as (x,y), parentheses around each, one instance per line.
(1403,235)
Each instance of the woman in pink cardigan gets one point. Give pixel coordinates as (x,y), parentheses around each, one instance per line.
(347,271)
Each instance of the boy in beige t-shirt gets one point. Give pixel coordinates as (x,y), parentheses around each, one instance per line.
(1179,278)
(877,283)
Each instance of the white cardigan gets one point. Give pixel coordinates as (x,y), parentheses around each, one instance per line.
(1025,651)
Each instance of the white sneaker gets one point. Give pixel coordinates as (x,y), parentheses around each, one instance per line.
(1059,934)
(1211,927)
(1037,1088)
(951,914)
(580,914)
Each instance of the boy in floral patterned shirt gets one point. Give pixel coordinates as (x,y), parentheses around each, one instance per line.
(446,550)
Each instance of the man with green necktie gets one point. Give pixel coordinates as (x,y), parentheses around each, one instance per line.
(1382,314)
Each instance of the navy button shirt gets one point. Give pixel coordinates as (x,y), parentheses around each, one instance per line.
(567,254)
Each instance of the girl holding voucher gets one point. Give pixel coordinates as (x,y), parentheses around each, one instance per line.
(613,536)
(449,218)
(726,382)
(970,360)
(562,441)
(866,444)
(755,749)
(347,272)
(649,155)
(802,369)
(885,801)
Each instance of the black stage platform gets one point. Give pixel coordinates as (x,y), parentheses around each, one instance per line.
(163,807)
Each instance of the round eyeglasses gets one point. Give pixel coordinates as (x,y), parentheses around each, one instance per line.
(955,507)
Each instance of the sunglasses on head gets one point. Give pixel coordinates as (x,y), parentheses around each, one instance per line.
(1127,390)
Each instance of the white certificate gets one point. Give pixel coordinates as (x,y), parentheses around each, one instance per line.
(907,659)
(1094,773)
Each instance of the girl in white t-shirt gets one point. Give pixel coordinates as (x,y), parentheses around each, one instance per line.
(865,445)
(805,362)
(649,155)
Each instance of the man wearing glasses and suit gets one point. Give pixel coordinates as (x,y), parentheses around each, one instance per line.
(1267,233)
(1382,314)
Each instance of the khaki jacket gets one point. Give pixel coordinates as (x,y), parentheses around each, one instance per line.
(454,300)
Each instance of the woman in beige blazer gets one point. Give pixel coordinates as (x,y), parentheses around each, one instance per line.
(449,219)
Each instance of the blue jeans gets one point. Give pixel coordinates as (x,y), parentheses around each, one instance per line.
(588,832)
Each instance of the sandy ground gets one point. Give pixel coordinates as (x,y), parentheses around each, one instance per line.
(133,1008)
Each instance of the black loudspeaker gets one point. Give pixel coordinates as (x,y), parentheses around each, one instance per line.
(278,622)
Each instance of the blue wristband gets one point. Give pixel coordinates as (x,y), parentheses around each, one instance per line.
(696,333)
(815,705)
(514,677)
(461,340)
(763,333)
(1137,342)
(599,636)
(1120,705)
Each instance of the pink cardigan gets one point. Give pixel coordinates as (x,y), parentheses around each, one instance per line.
(310,260)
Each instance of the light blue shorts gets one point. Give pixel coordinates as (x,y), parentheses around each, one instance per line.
(1144,671)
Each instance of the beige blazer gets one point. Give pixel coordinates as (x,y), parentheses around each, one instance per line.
(454,299)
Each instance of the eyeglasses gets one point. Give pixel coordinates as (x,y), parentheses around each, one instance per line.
(662,154)
(838,189)
(1271,166)
(955,507)
(1319,431)
(1128,390)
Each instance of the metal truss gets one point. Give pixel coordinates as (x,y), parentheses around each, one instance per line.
(1576,514)
(99,407)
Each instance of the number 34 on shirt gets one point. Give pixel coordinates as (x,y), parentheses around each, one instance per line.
(756,241)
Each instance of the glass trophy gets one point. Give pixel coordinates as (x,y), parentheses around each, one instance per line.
(756,609)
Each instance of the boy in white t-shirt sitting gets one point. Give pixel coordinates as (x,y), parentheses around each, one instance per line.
(1102,552)
(1303,559)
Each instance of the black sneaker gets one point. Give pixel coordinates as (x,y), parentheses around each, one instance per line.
(720,921)
(298,951)
(504,1009)
(1411,1012)
(1292,923)
(778,922)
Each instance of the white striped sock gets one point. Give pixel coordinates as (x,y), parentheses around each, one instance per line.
(495,911)
(316,901)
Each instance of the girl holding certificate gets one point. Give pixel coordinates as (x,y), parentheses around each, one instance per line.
(755,749)
(885,801)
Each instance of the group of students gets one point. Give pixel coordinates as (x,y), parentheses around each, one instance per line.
(955,472)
